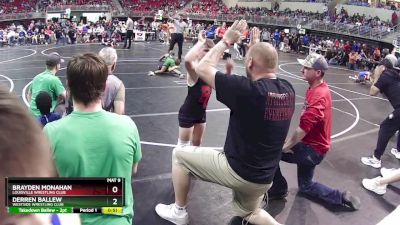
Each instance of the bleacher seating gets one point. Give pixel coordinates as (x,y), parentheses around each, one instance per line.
(17,6)
(152,5)
(208,7)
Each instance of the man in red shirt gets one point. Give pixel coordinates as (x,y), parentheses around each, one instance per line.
(311,141)
(394,18)
(347,48)
(219,34)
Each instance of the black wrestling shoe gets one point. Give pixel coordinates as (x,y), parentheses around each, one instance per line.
(351,201)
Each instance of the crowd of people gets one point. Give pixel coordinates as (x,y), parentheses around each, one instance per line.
(152,5)
(392,5)
(343,17)
(65,32)
(24,6)
(362,24)
(209,7)
(354,55)
(45,5)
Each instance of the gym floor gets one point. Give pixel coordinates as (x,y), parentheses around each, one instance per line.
(153,103)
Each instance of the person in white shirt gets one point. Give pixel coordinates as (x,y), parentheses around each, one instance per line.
(154,28)
(266,35)
(129,32)
(177,35)
(11,37)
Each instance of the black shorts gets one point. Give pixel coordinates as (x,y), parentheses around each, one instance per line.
(188,122)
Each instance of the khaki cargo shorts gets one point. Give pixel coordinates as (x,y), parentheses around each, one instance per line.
(211,165)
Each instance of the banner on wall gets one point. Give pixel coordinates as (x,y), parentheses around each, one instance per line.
(68,11)
(140,36)
(159,15)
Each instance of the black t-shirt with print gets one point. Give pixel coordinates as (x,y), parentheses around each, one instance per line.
(258,125)
(389,84)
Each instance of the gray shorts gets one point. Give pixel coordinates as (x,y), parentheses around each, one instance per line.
(211,165)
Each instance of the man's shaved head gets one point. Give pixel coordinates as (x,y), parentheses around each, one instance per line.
(264,57)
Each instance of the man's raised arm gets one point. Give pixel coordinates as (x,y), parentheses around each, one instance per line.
(207,67)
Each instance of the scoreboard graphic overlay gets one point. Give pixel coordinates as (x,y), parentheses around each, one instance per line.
(65,195)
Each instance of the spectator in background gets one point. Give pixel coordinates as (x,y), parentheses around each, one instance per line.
(3,37)
(43,103)
(113,99)
(60,36)
(377,55)
(219,33)
(277,38)
(375,58)
(48,81)
(11,37)
(21,37)
(266,35)
(72,35)
(353,57)
(395,18)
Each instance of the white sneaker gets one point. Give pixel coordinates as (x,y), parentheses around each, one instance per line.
(151,73)
(374,186)
(169,212)
(396,153)
(387,172)
(182,76)
(371,161)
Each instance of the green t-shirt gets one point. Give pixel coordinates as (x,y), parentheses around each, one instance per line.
(98,144)
(169,62)
(48,82)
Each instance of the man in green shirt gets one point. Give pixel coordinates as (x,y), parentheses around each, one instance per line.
(47,81)
(91,142)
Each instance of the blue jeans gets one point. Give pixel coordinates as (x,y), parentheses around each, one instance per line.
(60,40)
(306,159)
(352,66)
